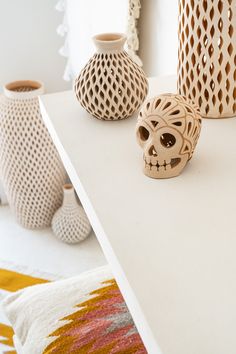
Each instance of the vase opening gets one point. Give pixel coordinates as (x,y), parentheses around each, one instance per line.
(109,37)
(69,194)
(23,89)
(68,186)
(23,86)
(109,41)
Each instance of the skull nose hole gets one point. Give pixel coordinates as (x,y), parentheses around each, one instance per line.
(167,140)
(152,151)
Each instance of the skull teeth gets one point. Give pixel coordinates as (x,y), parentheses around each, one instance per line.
(166,166)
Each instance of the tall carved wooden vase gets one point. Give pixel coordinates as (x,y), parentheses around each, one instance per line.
(207,55)
(30,167)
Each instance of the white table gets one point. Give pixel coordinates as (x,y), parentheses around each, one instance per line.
(171,243)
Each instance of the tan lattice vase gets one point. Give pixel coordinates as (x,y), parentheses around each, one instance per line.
(207,55)
(30,168)
(168,129)
(70,223)
(111,86)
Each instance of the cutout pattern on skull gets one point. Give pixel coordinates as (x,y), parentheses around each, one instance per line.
(168,129)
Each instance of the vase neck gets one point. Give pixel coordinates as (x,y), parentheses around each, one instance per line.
(69,195)
(23,90)
(109,42)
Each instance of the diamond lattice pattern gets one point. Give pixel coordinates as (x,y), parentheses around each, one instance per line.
(30,167)
(207,55)
(111,86)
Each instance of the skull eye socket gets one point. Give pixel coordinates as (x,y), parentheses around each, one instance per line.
(143,133)
(167,140)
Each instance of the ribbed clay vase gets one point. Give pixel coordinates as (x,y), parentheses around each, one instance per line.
(30,168)
(207,55)
(111,86)
(70,223)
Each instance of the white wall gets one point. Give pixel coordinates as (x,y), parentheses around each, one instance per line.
(158,31)
(83,24)
(29,43)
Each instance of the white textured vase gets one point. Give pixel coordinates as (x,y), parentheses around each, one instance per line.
(3,197)
(70,223)
(31,170)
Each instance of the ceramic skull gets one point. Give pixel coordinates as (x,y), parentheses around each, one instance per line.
(168,129)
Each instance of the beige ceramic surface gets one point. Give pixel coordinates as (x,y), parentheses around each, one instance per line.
(111,86)
(207,55)
(70,223)
(31,169)
(168,129)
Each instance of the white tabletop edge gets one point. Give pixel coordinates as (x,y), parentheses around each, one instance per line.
(127,292)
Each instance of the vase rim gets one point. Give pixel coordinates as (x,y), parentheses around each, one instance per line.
(23,89)
(68,187)
(110,41)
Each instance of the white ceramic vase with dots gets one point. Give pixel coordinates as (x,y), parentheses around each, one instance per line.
(31,170)
(111,86)
(70,223)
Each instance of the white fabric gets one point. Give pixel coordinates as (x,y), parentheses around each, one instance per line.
(132,30)
(35,311)
(4,348)
(17,345)
(84,19)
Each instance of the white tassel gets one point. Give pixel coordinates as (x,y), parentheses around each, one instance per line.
(61,6)
(136,12)
(132,31)
(135,8)
(68,74)
(133,43)
(62,30)
(64,51)
(135,57)
(132,23)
